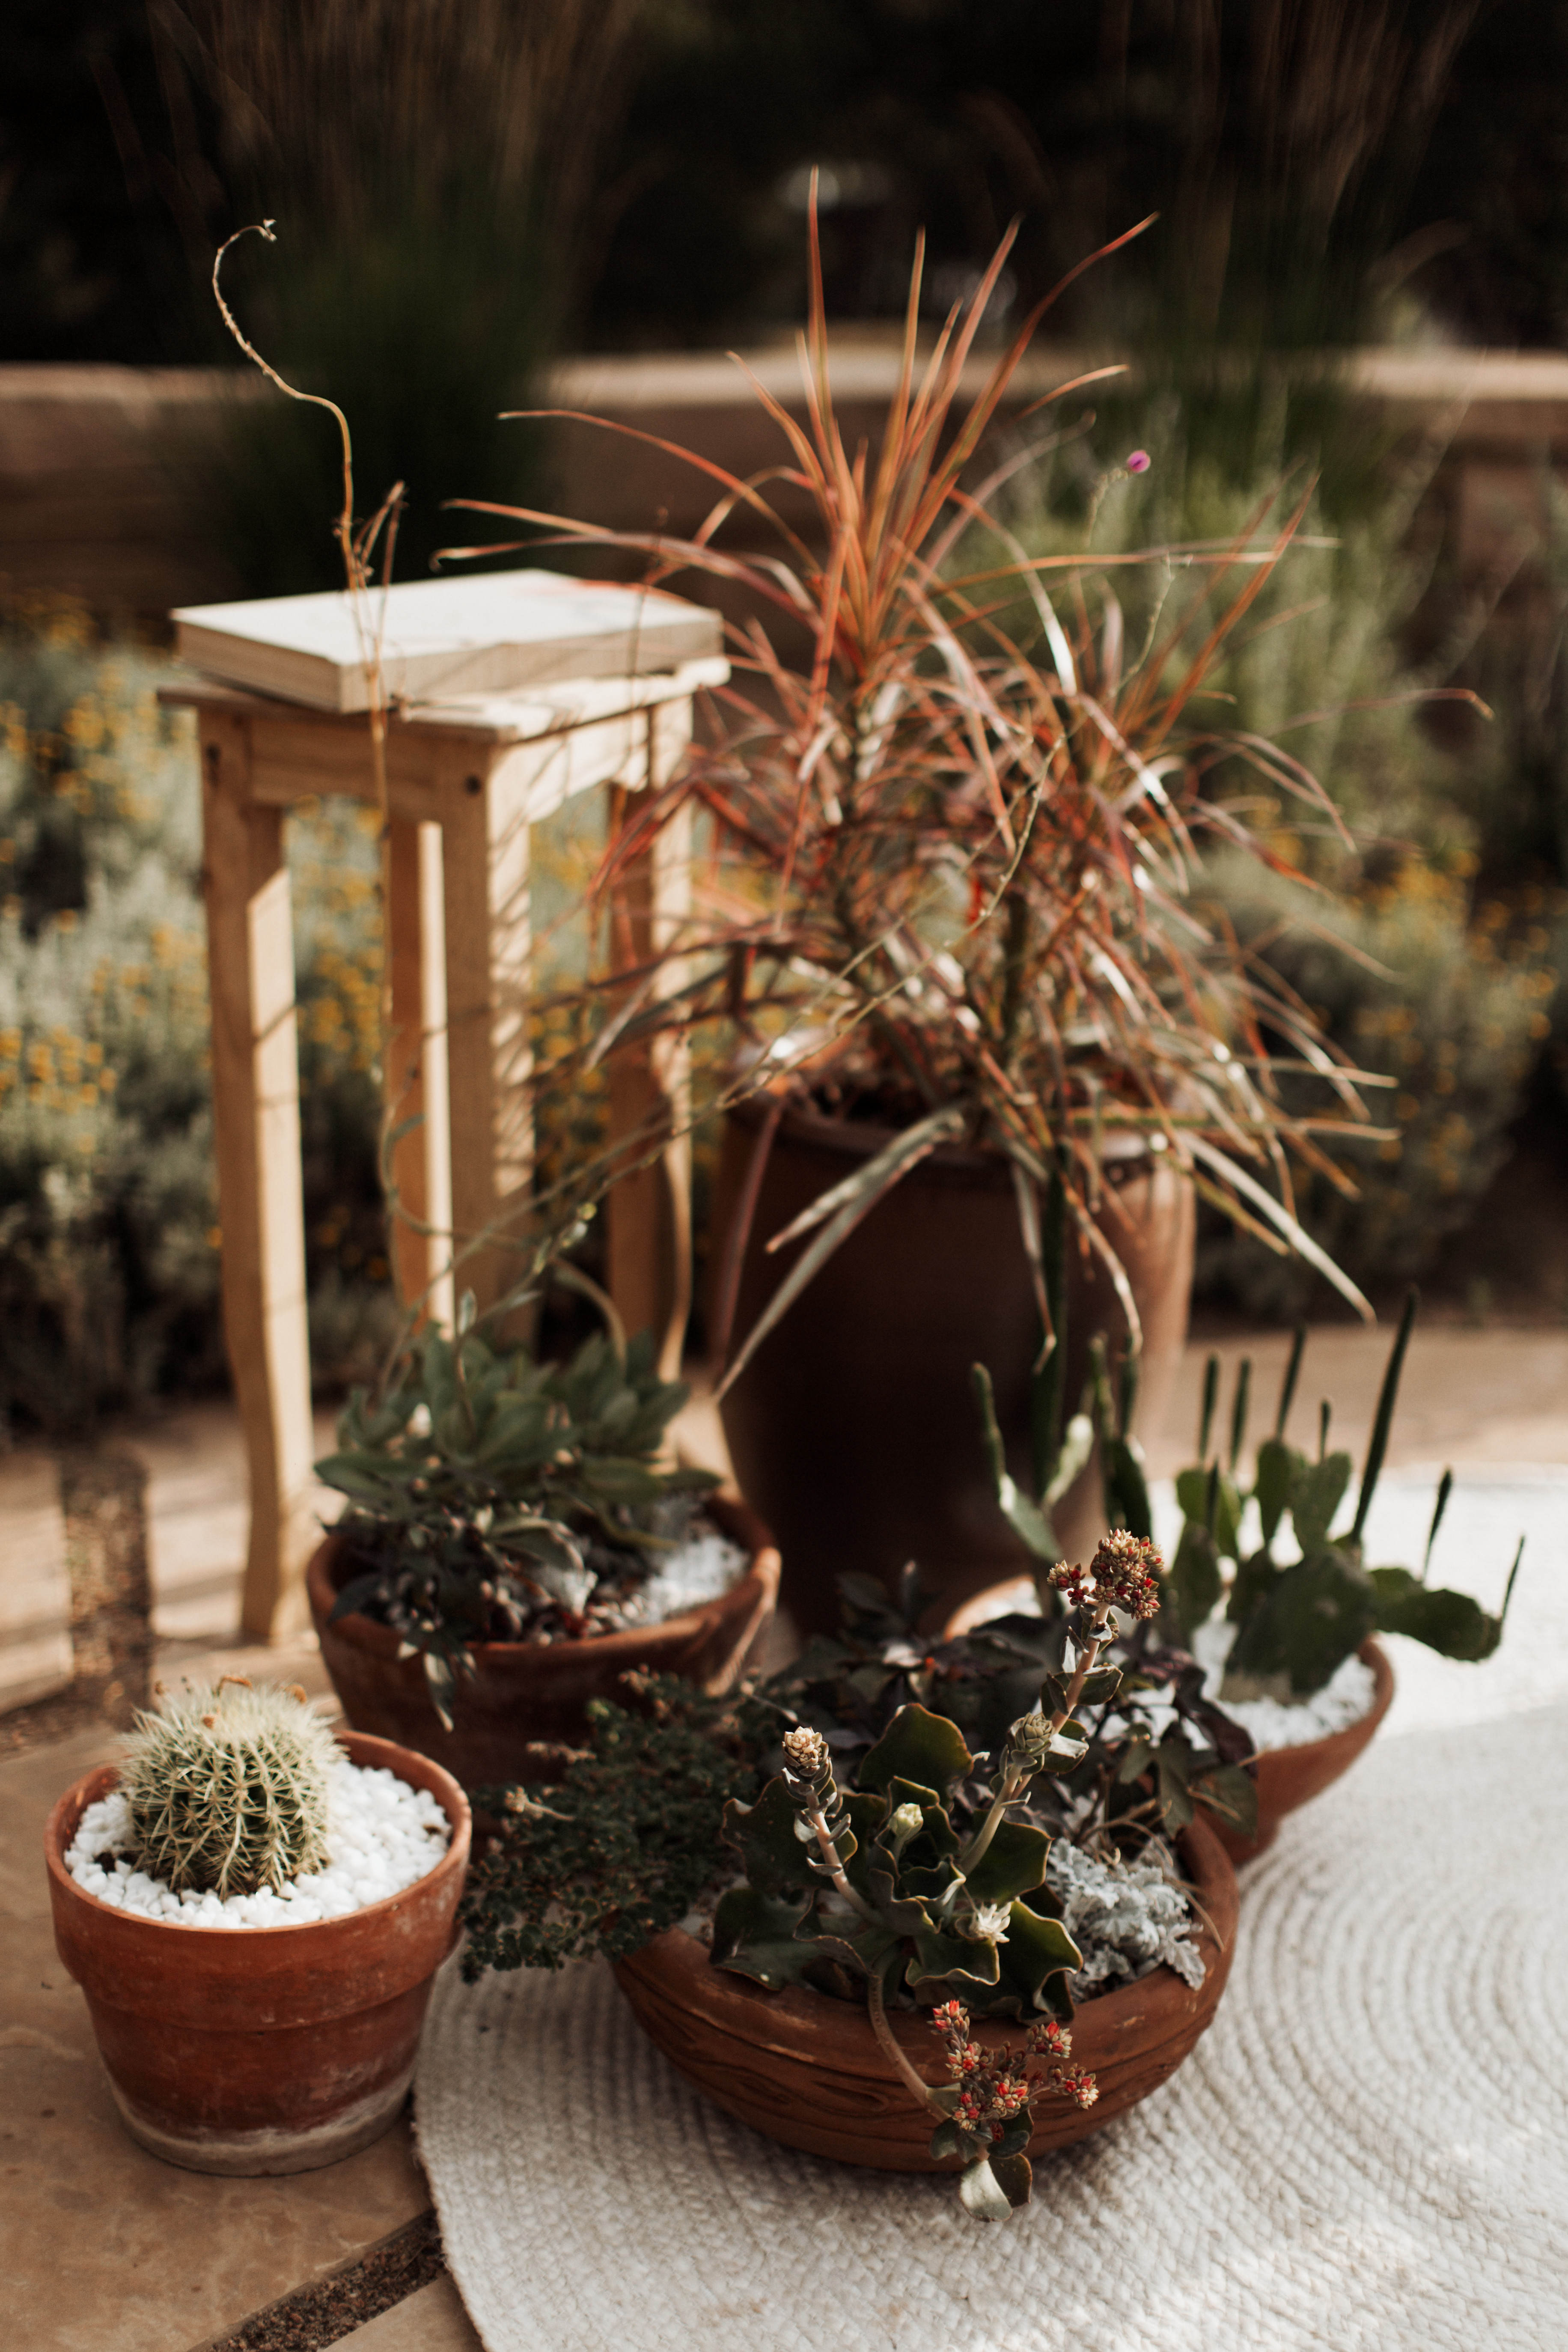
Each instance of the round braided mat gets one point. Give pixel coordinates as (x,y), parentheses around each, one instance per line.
(1369,2149)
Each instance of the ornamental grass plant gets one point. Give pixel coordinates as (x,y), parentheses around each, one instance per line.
(952,865)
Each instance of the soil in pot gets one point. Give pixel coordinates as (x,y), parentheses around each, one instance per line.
(261,2049)
(808,2071)
(853,1430)
(523,1707)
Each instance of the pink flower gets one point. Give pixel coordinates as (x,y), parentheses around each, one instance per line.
(1139,462)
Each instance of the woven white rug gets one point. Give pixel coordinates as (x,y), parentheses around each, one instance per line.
(1368,2150)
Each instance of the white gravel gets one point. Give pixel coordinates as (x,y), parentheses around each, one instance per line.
(698,1573)
(381,1836)
(1345,1698)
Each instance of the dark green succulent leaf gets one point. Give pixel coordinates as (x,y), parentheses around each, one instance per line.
(949,1966)
(1279,1467)
(1126,1488)
(754,1935)
(1317,1614)
(983,2193)
(1014,1864)
(1316,1493)
(1452,1623)
(1134,1761)
(1013,2142)
(917,1746)
(944,2140)
(1229,1790)
(1173,1778)
(1195,1582)
(1193,1495)
(1256,1578)
(775,1860)
(614,1480)
(1033,1967)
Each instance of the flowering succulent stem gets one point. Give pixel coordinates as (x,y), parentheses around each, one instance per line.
(883,2030)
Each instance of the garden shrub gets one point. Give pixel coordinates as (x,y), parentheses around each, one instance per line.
(109,1233)
(1452,1008)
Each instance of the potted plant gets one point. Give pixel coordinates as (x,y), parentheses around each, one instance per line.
(256,1912)
(947,947)
(513,1543)
(906,1906)
(1290,1644)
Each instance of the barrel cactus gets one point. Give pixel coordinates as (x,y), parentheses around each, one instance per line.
(227,1788)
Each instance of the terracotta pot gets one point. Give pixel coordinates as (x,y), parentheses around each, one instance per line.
(260,2049)
(525,1705)
(808,2071)
(1288,1777)
(853,1430)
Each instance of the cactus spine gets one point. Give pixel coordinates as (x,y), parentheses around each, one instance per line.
(227,1788)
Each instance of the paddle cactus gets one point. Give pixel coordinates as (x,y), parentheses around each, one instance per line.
(227,1788)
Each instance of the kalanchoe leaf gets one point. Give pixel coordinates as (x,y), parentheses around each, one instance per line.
(1014,1864)
(1126,1489)
(982,2194)
(1229,1790)
(1173,1778)
(946,1967)
(763,1835)
(1317,1614)
(1134,1761)
(1316,1494)
(944,2140)
(1452,1623)
(1194,1584)
(754,1935)
(1010,2167)
(1254,1579)
(1193,1495)
(1279,1467)
(1033,1966)
(917,1746)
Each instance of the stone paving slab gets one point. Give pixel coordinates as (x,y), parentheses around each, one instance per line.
(433,2320)
(103,2247)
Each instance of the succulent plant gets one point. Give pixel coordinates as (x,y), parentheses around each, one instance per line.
(1297,1621)
(489,1496)
(227,1788)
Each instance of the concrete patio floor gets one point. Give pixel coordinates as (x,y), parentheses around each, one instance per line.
(107,2250)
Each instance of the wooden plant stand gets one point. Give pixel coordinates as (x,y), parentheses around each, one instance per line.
(467,778)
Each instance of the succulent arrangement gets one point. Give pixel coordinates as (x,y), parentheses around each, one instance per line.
(227,1788)
(886,1812)
(492,1497)
(1298,1620)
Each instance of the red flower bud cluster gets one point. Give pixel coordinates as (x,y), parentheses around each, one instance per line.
(1123,1574)
(998,2084)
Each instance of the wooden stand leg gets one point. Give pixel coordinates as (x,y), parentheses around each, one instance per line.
(421,1211)
(486,848)
(255,1116)
(650,1206)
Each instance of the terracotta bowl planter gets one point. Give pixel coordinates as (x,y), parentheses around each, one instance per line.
(853,1430)
(808,2071)
(260,2049)
(525,1702)
(1288,1777)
